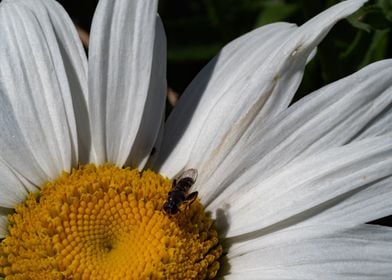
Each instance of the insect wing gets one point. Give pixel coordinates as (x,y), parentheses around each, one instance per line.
(189,173)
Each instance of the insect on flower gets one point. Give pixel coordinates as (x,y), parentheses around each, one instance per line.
(180,192)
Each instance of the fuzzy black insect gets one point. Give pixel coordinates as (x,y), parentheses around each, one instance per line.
(180,192)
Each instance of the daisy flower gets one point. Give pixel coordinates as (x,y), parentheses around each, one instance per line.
(87,161)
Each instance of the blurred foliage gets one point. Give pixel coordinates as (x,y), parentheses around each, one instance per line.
(197,30)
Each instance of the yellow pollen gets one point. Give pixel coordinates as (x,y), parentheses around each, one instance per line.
(107,223)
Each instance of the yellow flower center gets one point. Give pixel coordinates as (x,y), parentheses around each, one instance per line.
(108,223)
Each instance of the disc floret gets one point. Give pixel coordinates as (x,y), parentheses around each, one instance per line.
(107,223)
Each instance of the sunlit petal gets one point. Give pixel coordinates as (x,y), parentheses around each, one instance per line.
(126,80)
(38,138)
(348,110)
(304,187)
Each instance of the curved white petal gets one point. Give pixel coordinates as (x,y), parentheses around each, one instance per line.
(208,96)
(252,79)
(39,138)
(12,189)
(126,80)
(301,189)
(317,252)
(350,109)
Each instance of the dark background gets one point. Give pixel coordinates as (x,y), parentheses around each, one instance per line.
(197,30)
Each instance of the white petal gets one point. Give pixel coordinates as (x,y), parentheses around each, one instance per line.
(75,64)
(302,188)
(4,212)
(126,80)
(212,91)
(12,190)
(252,79)
(318,252)
(350,109)
(3,225)
(370,203)
(38,138)
(153,115)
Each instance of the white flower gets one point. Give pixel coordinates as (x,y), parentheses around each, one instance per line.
(290,188)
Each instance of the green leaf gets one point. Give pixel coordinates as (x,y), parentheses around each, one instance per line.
(378,47)
(193,52)
(275,11)
(386,6)
(370,18)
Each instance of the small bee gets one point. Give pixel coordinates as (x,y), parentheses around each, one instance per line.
(179,192)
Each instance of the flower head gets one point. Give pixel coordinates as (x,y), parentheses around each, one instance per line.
(281,193)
